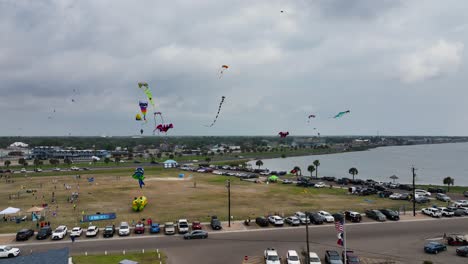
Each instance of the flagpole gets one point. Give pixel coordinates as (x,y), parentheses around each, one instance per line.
(344,237)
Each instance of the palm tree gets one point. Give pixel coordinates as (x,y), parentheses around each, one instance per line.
(259,163)
(316,164)
(449,181)
(21,161)
(297,169)
(117,160)
(353,171)
(7,163)
(208,159)
(311,169)
(36,163)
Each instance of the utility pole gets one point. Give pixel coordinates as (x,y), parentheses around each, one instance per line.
(228,186)
(307,239)
(414,191)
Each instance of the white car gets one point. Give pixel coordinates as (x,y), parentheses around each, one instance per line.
(271,256)
(217,172)
(74,168)
(302,216)
(422,192)
(314,258)
(319,185)
(276,220)
(8,252)
(60,232)
(292,257)
(76,231)
(92,231)
(23,170)
(293,220)
(446,212)
(328,217)
(461,203)
(183,226)
(124,229)
(395,196)
(56,169)
(434,212)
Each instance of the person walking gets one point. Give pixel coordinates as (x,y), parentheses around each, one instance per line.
(72,239)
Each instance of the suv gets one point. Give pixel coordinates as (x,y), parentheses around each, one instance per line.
(446,212)
(24,234)
(431,212)
(376,215)
(302,216)
(44,233)
(261,221)
(169,228)
(353,216)
(124,229)
(276,220)
(109,231)
(316,218)
(332,257)
(183,226)
(390,214)
(442,197)
(292,257)
(92,231)
(60,232)
(215,223)
(271,256)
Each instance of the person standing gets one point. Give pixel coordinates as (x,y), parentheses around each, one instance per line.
(72,239)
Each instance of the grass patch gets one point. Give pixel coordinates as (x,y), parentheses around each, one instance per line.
(113,258)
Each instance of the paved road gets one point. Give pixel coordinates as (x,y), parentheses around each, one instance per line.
(402,241)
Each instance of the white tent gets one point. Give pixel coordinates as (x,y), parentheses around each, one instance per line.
(10,210)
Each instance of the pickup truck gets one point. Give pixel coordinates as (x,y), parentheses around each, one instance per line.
(271,256)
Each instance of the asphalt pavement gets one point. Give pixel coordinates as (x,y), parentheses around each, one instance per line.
(401,241)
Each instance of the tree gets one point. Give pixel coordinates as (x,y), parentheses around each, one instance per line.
(106,160)
(353,171)
(171,156)
(316,164)
(259,163)
(21,161)
(67,161)
(117,160)
(36,163)
(7,163)
(208,159)
(159,155)
(311,169)
(25,164)
(153,159)
(298,170)
(449,181)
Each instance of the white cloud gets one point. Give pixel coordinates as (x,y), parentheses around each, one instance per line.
(437,60)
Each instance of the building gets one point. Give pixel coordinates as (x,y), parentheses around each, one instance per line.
(44,152)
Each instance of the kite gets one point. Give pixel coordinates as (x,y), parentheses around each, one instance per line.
(138,204)
(158,114)
(139,175)
(147,91)
(309,117)
(283,134)
(340,114)
(138,117)
(219,110)
(223,68)
(143,106)
(163,127)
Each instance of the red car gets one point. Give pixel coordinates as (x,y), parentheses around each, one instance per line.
(196,225)
(139,228)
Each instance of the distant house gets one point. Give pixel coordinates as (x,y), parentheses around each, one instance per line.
(18,145)
(170,164)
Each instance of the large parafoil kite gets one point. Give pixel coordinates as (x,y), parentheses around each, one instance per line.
(309,117)
(139,203)
(147,91)
(283,134)
(340,114)
(223,68)
(219,110)
(139,175)
(163,128)
(143,107)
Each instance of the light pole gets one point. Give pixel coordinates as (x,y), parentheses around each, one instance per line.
(414,191)
(307,238)
(228,186)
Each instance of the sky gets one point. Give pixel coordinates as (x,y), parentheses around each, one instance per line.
(398,66)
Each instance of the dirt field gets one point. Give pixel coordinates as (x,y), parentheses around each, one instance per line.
(169,198)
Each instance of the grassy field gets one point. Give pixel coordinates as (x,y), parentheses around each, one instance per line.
(170,198)
(112,258)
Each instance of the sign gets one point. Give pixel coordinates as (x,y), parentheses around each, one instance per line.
(98,217)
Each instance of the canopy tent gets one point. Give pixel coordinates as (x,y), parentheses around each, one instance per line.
(273,178)
(35,209)
(10,210)
(394,177)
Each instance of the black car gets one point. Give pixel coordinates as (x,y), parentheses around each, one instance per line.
(44,233)
(215,223)
(261,221)
(109,231)
(315,218)
(406,187)
(422,199)
(24,234)
(465,193)
(380,188)
(305,184)
(196,234)
(385,193)
(328,178)
(462,251)
(332,256)
(376,215)
(353,216)
(390,214)
(435,190)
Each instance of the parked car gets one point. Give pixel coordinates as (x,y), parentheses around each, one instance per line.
(332,257)
(461,203)
(327,216)
(9,252)
(60,232)
(56,169)
(435,190)
(457,211)
(314,258)
(442,197)
(351,258)
(302,217)
(422,199)
(38,170)
(405,196)
(261,221)
(353,216)
(196,225)
(276,220)
(154,228)
(215,223)
(315,218)
(23,170)
(422,192)
(390,214)
(457,240)
(465,193)
(109,231)
(293,220)
(319,185)
(92,231)
(431,212)
(292,257)
(139,228)
(376,215)
(406,187)
(287,181)
(434,247)
(76,231)
(182,226)
(446,212)
(196,234)
(124,229)
(395,196)
(169,228)
(462,251)
(24,234)
(44,233)
(271,256)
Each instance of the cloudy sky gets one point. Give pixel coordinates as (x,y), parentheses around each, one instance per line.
(399,66)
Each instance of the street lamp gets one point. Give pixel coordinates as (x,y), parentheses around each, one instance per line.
(307,238)
(228,186)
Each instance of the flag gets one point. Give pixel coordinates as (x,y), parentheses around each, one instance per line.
(339,226)
(340,239)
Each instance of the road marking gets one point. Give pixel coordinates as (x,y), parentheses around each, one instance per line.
(435,239)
